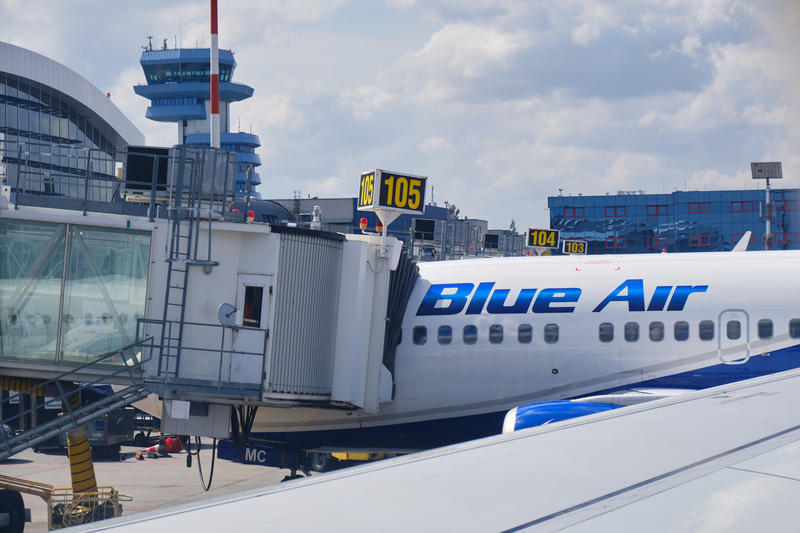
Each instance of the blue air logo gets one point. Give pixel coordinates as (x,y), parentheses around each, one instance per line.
(453,298)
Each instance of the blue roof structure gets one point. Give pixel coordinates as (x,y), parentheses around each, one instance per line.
(178,90)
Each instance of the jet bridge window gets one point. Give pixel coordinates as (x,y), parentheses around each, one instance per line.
(706,330)
(470,334)
(681,330)
(524,333)
(419,334)
(656,331)
(551,333)
(606,332)
(495,333)
(734,329)
(632,331)
(445,335)
(764,328)
(253,299)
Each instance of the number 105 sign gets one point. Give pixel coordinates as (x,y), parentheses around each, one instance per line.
(391,191)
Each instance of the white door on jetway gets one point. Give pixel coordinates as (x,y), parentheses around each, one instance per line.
(250,340)
(734,336)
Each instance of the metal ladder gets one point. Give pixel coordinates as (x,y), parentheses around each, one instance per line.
(187,208)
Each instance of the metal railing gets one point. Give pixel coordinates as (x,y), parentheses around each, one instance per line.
(195,341)
(70,383)
(73,177)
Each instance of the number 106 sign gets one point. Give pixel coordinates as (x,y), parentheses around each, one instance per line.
(391,191)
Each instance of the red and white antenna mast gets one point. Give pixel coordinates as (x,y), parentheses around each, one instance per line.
(214,77)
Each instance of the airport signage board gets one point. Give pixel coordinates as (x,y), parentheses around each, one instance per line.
(543,238)
(767,171)
(574,247)
(391,191)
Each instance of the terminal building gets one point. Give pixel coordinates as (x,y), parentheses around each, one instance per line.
(439,233)
(179,91)
(58,127)
(682,221)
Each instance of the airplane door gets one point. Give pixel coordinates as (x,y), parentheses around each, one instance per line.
(734,336)
(249,343)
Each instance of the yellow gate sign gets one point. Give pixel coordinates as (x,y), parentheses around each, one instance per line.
(543,238)
(391,191)
(574,247)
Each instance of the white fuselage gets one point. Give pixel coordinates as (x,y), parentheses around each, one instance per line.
(506,331)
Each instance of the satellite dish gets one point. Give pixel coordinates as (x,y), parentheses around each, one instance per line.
(226,313)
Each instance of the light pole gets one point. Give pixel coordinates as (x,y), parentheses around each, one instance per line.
(767,171)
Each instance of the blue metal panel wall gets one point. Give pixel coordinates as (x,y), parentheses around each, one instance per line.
(692,221)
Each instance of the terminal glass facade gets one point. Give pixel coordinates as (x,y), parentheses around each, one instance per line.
(48,142)
(70,292)
(694,221)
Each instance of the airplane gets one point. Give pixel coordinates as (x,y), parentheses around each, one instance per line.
(548,336)
(719,459)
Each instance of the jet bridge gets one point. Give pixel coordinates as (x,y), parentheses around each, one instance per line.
(181,297)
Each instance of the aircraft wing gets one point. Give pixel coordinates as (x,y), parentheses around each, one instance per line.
(721,459)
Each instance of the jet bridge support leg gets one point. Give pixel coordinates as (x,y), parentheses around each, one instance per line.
(81,465)
(80,454)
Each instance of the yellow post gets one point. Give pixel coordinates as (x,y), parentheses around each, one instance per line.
(81,465)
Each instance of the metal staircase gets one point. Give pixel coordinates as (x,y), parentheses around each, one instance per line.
(73,418)
(62,388)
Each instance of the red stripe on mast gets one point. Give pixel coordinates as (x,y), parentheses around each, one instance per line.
(214,17)
(215,94)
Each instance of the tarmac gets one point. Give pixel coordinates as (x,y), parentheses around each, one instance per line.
(153,483)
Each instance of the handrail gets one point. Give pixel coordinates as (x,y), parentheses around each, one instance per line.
(57,382)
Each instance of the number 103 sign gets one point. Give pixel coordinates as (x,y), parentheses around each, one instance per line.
(391,191)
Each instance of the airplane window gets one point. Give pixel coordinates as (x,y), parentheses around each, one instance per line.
(470,334)
(445,335)
(764,328)
(525,333)
(794,328)
(606,332)
(495,333)
(681,330)
(551,333)
(706,330)
(734,329)
(420,334)
(632,331)
(656,331)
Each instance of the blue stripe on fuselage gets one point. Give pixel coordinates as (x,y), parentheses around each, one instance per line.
(435,433)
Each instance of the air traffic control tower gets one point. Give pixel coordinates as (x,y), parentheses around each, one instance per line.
(178,90)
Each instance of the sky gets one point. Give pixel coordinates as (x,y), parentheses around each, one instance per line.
(501,103)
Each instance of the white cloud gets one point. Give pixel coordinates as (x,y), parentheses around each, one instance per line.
(627,171)
(509,97)
(466,50)
(435,144)
(365,100)
(594,20)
